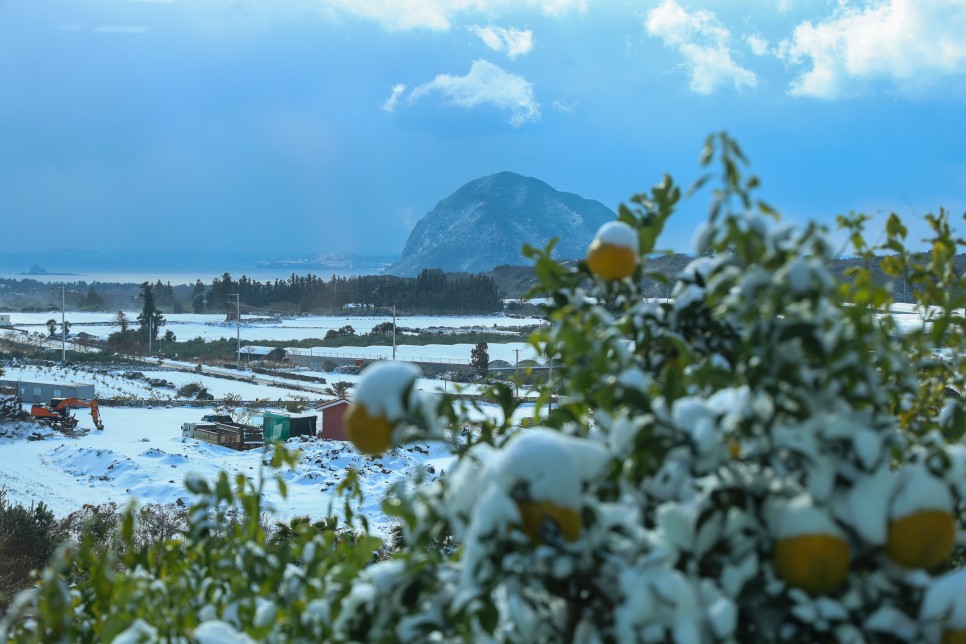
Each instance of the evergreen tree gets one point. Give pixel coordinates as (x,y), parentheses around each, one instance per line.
(121,320)
(480,358)
(339,389)
(150,315)
(220,290)
(92,301)
(198,297)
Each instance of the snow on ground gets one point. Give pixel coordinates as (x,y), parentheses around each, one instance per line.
(141,455)
(452,353)
(114,384)
(187,326)
(213,327)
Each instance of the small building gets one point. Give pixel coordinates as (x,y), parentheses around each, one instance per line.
(252,350)
(5,320)
(333,420)
(262,353)
(232,435)
(41,392)
(280,426)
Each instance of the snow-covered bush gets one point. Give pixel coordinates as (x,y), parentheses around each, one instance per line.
(767,456)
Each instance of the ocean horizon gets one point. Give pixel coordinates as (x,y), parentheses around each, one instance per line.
(176,268)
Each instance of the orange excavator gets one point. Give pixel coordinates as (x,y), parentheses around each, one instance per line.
(56,413)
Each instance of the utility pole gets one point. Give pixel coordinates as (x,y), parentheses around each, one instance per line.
(393,331)
(150,332)
(237,328)
(550,384)
(63,327)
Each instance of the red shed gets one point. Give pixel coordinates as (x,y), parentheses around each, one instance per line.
(333,423)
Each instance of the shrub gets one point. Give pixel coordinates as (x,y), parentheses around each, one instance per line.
(195,390)
(28,538)
(342,332)
(745,462)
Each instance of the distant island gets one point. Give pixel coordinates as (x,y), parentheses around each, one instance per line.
(36,269)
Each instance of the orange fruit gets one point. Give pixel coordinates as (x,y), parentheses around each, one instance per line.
(534,513)
(922,539)
(609,261)
(734,447)
(816,563)
(371,434)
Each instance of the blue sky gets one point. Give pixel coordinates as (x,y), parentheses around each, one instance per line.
(308,126)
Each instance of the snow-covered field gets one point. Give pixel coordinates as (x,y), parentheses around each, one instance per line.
(214,327)
(187,326)
(140,454)
(452,353)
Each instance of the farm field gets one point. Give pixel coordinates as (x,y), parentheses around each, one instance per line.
(213,327)
(140,455)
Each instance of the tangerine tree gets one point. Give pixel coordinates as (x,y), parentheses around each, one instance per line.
(767,456)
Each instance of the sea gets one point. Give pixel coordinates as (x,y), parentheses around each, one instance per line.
(71,266)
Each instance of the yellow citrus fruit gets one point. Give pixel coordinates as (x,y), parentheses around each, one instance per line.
(923,539)
(370,434)
(954,637)
(610,262)
(534,513)
(816,563)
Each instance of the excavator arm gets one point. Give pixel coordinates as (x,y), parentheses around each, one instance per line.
(62,407)
(96,414)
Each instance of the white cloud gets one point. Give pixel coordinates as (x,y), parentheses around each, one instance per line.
(393,100)
(558,8)
(564,106)
(703,42)
(909,44)
(486,84)
(439,14)
(515,42)
(758,45)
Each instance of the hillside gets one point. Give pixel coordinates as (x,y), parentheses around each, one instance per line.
(485,223)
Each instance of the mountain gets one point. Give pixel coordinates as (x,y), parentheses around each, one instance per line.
(486,222)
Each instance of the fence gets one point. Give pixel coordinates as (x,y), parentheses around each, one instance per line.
(347,357)
(317,361)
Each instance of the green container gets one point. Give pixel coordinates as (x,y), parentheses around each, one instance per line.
(275,427)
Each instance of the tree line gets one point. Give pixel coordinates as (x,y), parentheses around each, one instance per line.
(431,292)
